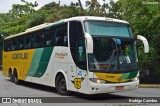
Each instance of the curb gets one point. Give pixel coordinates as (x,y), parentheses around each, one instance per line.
(149,86)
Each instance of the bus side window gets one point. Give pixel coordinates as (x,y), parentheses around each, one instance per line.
(14,44)
(61,35)
(59,40)
(47,39)
(43,38)
(9,45)
(38,40)
(65,39)
(20,43)
(6,45)
(53,35)
(27,42)
(32,40)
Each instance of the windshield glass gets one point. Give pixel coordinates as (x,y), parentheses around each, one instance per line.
(105,28)
(113,55)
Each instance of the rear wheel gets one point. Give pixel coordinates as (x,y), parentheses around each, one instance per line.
(61,85)
(15,78)
(11,76)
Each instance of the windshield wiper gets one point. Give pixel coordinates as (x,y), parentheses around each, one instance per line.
(96,63)
(110,59)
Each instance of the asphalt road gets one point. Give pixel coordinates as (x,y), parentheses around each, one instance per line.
(26,89)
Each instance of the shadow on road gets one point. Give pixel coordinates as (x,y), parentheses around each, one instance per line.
(78,97)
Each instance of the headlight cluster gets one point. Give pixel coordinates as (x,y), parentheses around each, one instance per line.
(136,78)
(97,80)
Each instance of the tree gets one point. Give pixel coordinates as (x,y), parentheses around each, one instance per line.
(18,10)
(144,17)
(62,12)
(37,18)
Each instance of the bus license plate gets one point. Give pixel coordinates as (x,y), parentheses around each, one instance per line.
(119,88)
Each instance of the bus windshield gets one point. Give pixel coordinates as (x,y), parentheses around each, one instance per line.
(103,28)
(113,55)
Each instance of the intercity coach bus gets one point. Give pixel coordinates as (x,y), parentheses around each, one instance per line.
(85,54)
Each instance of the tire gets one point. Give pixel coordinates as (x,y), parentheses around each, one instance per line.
(11,76)
(15,78)
(61,85)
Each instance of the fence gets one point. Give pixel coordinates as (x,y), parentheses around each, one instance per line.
(150,77)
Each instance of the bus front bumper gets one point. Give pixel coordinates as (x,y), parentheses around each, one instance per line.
(95,88)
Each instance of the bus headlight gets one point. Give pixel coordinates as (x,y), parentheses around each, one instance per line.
(97,80)
(136,78)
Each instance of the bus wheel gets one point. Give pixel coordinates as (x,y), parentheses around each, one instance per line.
(61,85)
(11,76)
(15,77)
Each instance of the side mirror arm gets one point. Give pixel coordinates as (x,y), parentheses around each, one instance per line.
(145,43)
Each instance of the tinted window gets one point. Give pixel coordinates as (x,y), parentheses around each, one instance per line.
(77,44)
(20,43)
(14,44)
(55,35)
(61,35)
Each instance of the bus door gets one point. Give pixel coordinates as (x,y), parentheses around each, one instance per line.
(77,48)
(81,81)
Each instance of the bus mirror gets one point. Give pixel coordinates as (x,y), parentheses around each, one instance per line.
(89,43)
(145,43)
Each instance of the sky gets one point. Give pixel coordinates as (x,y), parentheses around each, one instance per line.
(6,5)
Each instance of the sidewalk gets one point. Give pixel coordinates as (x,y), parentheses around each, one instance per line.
(149,86)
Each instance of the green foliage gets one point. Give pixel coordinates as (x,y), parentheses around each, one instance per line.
(50,6)
(144,19)
(38,18)
(61,12)
(19,10)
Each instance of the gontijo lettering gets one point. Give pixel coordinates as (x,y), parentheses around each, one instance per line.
(20,56)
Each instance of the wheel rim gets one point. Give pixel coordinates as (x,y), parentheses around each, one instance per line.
(16,80)
(62,85)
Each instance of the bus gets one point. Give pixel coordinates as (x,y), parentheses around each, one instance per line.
(85,54)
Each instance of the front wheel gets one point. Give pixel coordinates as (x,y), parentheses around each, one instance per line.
(61,85)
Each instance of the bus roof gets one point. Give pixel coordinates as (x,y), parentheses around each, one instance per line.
(78,18)
(83,18)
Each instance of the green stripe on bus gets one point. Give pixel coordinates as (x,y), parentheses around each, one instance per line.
(132,75)
(125,75)
(43,64)
(35,60)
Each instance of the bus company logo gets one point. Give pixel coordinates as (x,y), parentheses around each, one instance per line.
(20,56)
(60,55)
(6,100)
